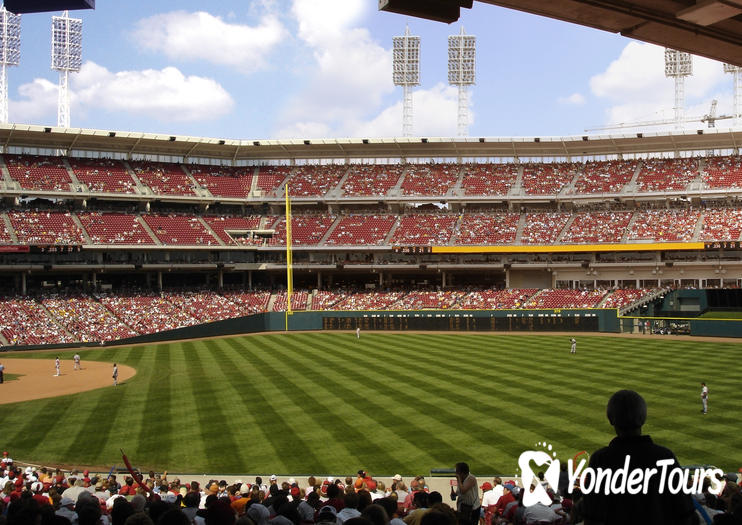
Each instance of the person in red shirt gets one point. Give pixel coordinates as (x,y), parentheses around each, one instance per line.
(507,497)
(128,488)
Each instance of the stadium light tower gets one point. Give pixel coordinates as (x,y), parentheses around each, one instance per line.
(406,73)
(678,65)
(66,58)
(462,55)
(737,72)
(10,54)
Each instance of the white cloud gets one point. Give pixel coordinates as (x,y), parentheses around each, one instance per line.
(435,112)
(204,37)
(637,89)
(575,99)
(351,72)
(37,103)
(165,95)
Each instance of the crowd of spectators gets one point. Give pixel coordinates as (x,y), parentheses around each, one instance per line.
(436,179)
(39,172)
(103,175)
(481,228)
(547,178)
(488,179)
(605,176)
(367,180)
(664,225)
(105,316)
(723,172)
(164,178)
(597,227)
(667,174)
(45,227)
(315,180)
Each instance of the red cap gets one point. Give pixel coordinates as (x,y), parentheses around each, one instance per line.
(5,453)
(486,486)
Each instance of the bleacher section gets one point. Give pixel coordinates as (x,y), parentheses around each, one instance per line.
(37,172)
(488,179)
(103,175)
(224,181)
(179,230)
(434,180)
(45,227)
(164,178)
(667,174)
(234,230)
(305,230)
(664,225)
(547,179)
(482,229)
(605,177)
(315,181)
(368,230)
(114,228)
(371,180)
(597,227)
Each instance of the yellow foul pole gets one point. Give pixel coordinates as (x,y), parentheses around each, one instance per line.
(289,262)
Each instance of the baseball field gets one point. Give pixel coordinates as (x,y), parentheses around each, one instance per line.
(328,403)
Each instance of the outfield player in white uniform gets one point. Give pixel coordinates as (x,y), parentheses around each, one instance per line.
(358,332)
(115,375)
(76,359)
(704,397)
(573,349)
(57,366)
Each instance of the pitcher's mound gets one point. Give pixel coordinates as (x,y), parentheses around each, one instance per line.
(37,379)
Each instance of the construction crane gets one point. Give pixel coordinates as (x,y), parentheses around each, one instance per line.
(710,118)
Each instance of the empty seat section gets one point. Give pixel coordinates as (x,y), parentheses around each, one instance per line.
(480,228)
(723,172)
(605,176)
(547,179)
(103,175)
(45,227)
(164,178)
(429,180)
(39,172)
(177,229)
(114,228)
(305,229)
(489,179)
(224,181)
(424,230)
(235,230)
(315,181)
(270,178)
(371,180)
(597,227)
(369,230)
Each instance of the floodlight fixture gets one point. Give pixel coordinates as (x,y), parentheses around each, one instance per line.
(406,72)
(736,71)
(10,54)
(678,65)
(462,58)
(66,58)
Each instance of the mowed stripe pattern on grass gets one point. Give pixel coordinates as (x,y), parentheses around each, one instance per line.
(326,402)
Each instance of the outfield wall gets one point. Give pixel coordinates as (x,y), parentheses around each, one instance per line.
(598,320)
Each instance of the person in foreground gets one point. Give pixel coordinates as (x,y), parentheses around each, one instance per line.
(627,412)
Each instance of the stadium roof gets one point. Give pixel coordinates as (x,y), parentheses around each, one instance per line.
(39,6)
(710,28)
(136,143)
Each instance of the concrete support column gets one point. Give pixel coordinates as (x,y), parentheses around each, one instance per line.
(159,281)
(443,279)
(220,276)
(249,280)
(23,284)
(319,280)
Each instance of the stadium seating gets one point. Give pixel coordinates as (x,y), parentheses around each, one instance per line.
(597,227)
(723,172)
(368,230)
(547,179)
(327,299)
(38,172)
(248,302)
(103,175)
(45,227)
(624,297)
(421,300)
(605,176)
(86,319)
(667,174)
(566,299)
(369,300)
(424,230)
(367,180)
(482,229)
(664,225)
(164,178)
(224,181)
(543,228)
(299,299)
(270,178)
(433,180)
(496,299)
(315,180)
(179,230)
(206,306)
(23,321)
(721,224)
(146,313)
(305,229)
(232,230)
(114,228)
(488,179)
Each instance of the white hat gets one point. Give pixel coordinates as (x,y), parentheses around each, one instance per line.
(274,477)
(397,477)
(37,486)
(244,489)
(292,481)
(29,470)
(109,501)
(330,479)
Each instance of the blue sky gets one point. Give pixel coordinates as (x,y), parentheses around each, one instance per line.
(322,68)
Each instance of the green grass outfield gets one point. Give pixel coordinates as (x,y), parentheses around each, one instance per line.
(326,403)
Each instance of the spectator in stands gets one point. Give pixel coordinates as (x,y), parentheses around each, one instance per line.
(627,412)
(466,495)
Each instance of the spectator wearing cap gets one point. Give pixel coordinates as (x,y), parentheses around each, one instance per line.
(327,515)
(507,497)
(491,496)
(37,489)
(67,510)
(239,504)
(7,461)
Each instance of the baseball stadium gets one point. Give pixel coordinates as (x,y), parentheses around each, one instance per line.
(311,307)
